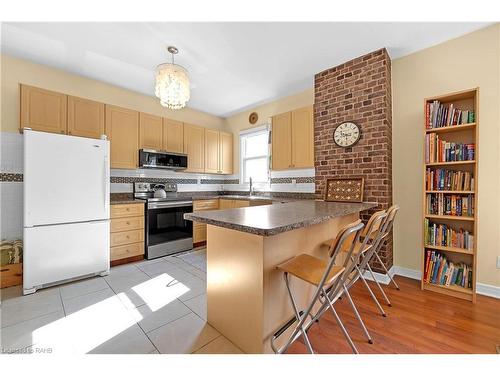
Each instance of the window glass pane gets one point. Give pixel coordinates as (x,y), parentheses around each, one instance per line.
(256,145)
(257,169)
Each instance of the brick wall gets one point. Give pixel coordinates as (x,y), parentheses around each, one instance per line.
(358,91)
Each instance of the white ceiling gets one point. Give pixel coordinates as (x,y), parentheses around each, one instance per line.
(232,66)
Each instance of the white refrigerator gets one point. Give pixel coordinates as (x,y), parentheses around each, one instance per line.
(66,209)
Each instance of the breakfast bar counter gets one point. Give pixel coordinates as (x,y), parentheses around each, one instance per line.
(246,295)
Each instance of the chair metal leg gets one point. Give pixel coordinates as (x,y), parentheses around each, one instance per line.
(386,272)
(297,315)
(378,284)
(367,334)
(339,322)
(371,293)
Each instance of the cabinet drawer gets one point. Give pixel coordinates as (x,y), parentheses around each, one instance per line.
(205,205)
(199,232)
(126,251)
(123,238)
(127,223)
(125,210)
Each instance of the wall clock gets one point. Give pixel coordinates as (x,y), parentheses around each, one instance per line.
(346,134)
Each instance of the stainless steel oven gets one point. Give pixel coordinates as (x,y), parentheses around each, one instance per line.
(166,230)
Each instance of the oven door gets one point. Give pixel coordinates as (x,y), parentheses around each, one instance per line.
(167,231)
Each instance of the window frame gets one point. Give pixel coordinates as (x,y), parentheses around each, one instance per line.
(245,134)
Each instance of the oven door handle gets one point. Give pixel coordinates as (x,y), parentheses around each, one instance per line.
(154,205)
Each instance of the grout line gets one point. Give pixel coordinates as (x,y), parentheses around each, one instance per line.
(62,302)
(207,343)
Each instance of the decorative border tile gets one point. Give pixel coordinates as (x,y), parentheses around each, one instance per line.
(219,181)
(130,180)
(11,177)
(288,180)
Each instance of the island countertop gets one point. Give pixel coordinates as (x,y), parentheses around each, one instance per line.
(270,220)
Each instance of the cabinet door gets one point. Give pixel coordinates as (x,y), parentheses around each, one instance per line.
(226,153)
(43,110)
(211,151)
(302,138)
(173,135)
(281,141)
(225,204)
(194,147)
(122,129)
(85,117)
(150,131)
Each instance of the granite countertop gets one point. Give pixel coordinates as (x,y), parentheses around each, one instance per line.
(124,198)
(273,219)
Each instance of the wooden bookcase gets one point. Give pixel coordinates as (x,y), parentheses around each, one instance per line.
(466,133)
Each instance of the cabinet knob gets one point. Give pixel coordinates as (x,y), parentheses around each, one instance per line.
(69,132)
(128,222)
(128,237)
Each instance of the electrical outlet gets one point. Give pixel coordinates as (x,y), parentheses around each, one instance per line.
(498,262)
(294,181)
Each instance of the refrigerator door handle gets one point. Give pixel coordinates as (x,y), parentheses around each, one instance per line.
(106,182)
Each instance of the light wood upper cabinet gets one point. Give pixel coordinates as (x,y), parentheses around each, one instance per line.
(293,139)
(85,117)
(226,153)
(122,129)
(212,151)
(302,138)
(173,136)
(43,110)
(282,141)
(194,147)
(150,131)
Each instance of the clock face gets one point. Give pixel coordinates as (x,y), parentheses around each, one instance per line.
(346,134)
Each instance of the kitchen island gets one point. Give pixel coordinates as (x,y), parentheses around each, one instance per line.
(246,296)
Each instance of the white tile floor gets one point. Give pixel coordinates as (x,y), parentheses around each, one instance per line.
(156,306)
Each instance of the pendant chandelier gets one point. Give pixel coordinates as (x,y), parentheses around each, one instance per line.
(172,83)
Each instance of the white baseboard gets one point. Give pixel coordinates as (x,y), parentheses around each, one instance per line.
(483,289)
(488,290)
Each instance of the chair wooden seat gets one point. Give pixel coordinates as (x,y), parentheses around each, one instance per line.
(310,269)
(346,249)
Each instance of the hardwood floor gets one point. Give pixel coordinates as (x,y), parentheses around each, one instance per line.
(418,322)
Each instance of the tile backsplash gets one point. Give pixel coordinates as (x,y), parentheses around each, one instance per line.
(11,185)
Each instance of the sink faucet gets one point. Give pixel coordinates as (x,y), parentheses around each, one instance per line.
(251,187)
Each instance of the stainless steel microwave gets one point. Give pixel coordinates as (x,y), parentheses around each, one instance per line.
(162,159)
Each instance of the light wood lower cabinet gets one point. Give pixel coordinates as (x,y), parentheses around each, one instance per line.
(127,231)
(200,230)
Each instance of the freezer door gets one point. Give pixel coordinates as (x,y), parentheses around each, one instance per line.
(56,253)
(66,179)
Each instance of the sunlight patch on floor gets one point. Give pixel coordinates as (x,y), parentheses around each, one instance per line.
(85,329)
(160,291)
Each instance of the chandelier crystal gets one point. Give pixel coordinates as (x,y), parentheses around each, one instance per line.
(172,83)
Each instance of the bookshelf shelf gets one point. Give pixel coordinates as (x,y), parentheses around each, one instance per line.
(449,192)
(450,217)
(454,128)
(450,163)
(450,109)
(450,249)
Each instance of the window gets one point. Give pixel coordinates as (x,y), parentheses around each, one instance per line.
(254,155)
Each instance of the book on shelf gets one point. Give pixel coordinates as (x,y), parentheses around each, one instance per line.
(437,150)
(439,115)
(443,235)
(438,270)
(450,204)
(444,179)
